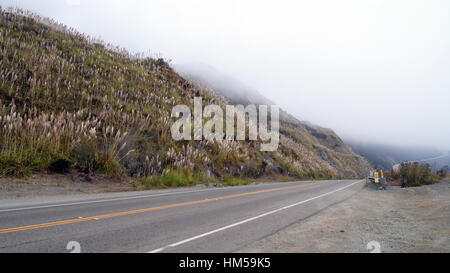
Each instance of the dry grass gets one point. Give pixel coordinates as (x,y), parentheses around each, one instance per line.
(65,96)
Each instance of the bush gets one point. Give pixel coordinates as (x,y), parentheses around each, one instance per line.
(13,167)
(85,155)
(173,178)
(433,177)
(413,174)
(60,165)
(229,180)
(112,168)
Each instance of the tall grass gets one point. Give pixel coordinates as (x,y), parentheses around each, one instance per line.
(173,178)
(68,100)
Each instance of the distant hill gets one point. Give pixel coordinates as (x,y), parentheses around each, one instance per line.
(385,156)
(235,91)
(322,145)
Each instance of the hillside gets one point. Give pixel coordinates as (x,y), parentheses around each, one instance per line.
(217,82)
(385,156)
(70,102)
(317,140)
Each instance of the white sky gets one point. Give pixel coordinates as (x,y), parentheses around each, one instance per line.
(374,70)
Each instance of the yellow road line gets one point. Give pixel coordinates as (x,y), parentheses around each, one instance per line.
(104,216)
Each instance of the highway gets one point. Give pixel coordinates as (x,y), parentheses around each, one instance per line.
(196,219)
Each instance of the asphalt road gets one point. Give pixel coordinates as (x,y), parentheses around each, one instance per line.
(178,220)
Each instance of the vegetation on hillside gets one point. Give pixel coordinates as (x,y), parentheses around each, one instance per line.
(414,174)
(68,101)
(318,144)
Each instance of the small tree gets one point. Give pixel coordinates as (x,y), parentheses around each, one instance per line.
(413,174)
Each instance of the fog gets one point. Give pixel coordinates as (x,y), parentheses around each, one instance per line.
(374,71)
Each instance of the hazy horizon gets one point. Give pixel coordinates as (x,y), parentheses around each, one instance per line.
(374,71)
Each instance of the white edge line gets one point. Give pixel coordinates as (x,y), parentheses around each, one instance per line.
(108,200)
(250,219)
(117,199)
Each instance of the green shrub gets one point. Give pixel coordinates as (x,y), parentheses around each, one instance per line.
(413,174)
(173,178)
(85,155)
(60,165)
(229,180)
(12,167)
(432,178)
(200,177)
(112,168)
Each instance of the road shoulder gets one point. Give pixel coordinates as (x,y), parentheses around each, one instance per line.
(401,220)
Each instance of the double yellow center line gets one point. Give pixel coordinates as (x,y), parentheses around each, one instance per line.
(105,216)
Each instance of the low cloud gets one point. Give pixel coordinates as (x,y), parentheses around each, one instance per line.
(371,70)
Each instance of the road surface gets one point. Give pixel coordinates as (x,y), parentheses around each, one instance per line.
(176,220)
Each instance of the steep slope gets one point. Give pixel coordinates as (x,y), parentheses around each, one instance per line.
(320,144)
(221,84)
(68,101)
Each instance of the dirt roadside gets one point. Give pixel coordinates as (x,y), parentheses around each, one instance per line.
(400,219)
(45,185)
(55,184)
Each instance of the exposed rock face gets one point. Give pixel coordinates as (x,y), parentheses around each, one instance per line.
(313,147)
(66,96)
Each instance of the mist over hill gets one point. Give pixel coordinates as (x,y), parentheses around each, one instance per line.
(72,102)
(385,156)
(235,91)
(322,142)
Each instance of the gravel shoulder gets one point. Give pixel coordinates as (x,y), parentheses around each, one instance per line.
(400,219)
(75,183)
(44,185)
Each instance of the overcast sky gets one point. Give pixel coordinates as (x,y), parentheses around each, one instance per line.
(372,70)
